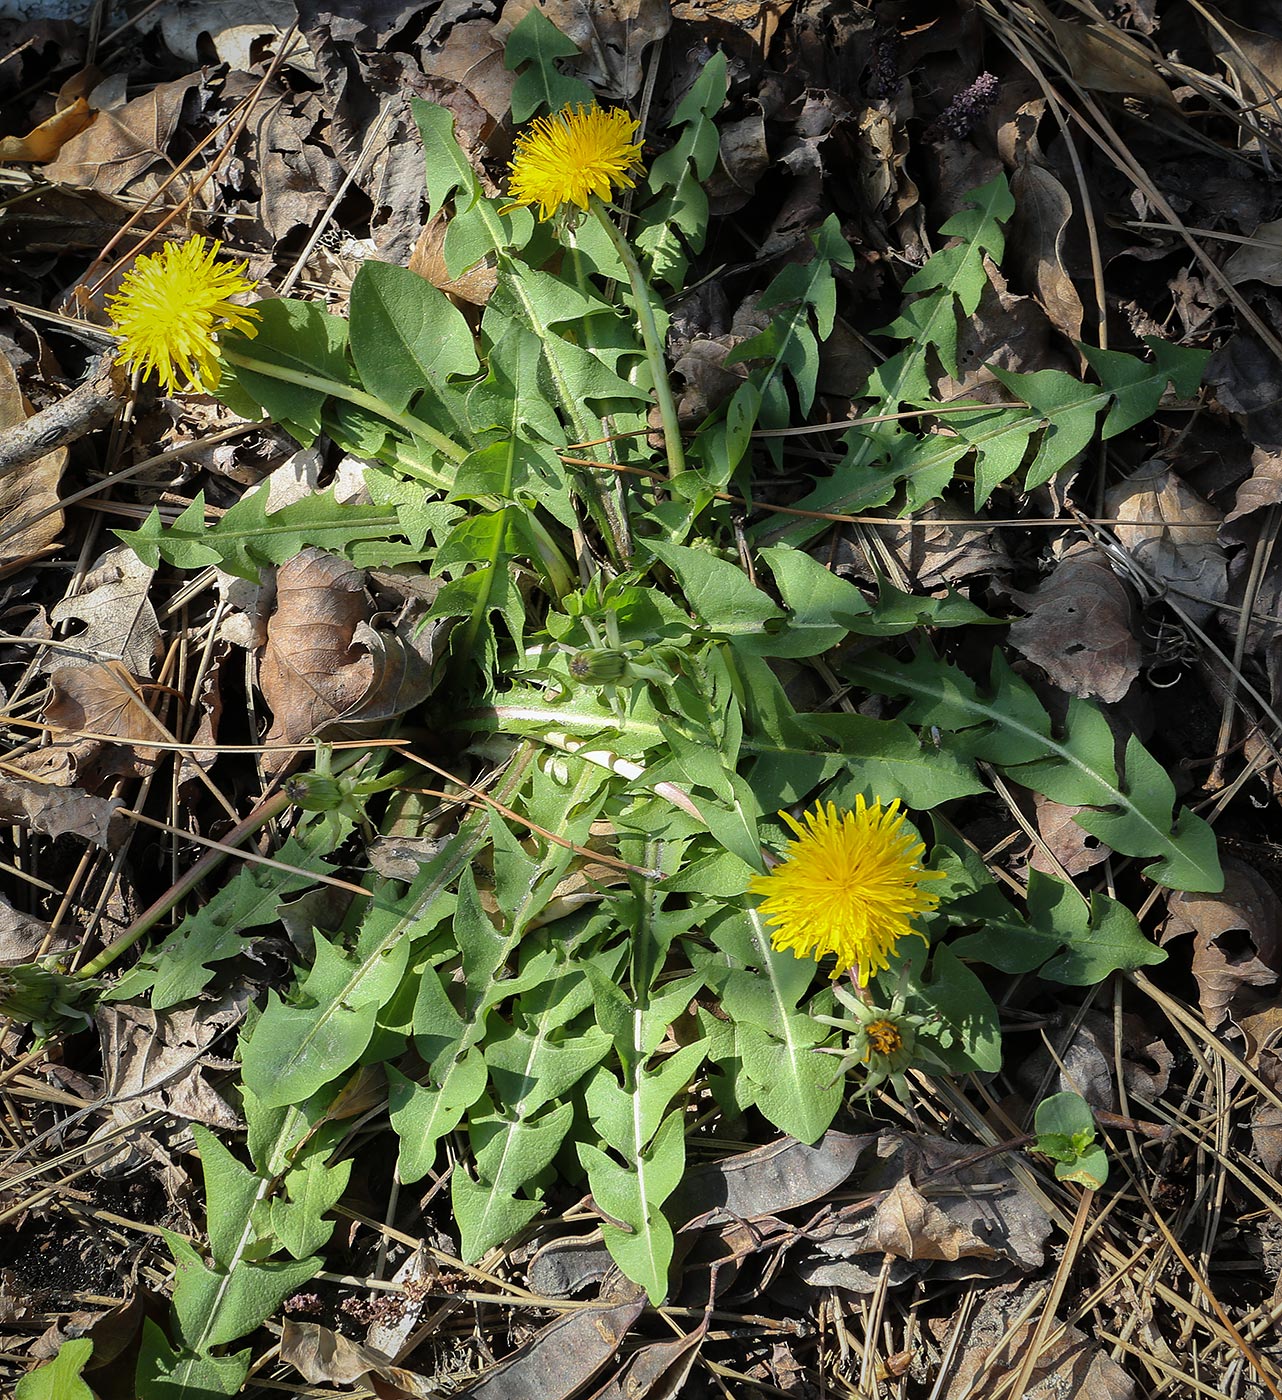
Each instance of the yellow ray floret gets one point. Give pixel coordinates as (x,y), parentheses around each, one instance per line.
(849,885)
(171,307)
(581,151)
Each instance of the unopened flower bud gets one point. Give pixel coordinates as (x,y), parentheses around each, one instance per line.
(601,667)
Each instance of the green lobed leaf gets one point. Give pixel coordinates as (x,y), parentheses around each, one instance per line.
(510,1155)
(165,1374)
(59,1379)
(216,1306)
(1134,810)
(295,1049)
(312,1188)
(247,537)
(533,47)
(633,1193)
(179,967)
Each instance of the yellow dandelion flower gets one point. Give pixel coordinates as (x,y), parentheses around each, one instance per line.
(849,885)
(170,308)
(580,152)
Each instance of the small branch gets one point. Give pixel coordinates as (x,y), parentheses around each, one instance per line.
(91,404)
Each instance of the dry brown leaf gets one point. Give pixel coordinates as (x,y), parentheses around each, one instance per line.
(658,1370)
(992,1230)
(313,669)
(296,173)
(56,811)
(1255,59)
(1247,378)
(1182,551)
(1070,1363)
(30,521)
(1261,259)
(160,1060)
(1237,940)
(45,141)
(744,160)
(473,57)
(23,938)
(780,1176)
(1107,60)
(1074,848)
(1043,209)
(123,144)
(759,18)
(119,622)
(1006,332)
(474,286)
(1079,628)
(102,700)
(324,1357)
(1262,488)
(565,1355)
(909,1226)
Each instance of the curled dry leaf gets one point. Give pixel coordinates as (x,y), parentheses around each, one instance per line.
(91,701)
(23,938)
(160,1060)
(1237,940)
(1176,542)
(1080,628)
(312,669)
(909,1226)
(325,669)
(475,286)
(324,1357)
(1043,209)
(30,519)
(960,1233)
(658,1371)
(1262,488)
(44,142)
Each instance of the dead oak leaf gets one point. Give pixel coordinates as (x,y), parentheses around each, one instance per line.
(1237,940)
(1170,531)
(125,143)
(120,623)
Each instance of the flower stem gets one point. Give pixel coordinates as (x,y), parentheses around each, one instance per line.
(416,427)
(653,342)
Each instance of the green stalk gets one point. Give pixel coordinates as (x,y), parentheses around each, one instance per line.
(416,427)
(653,341)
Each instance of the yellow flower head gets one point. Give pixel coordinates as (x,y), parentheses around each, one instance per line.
(849,885)
(170,308)
(579,152)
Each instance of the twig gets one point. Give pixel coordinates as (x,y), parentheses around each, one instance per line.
(91,404)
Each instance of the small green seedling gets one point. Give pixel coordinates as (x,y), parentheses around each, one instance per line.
(1065,1130)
